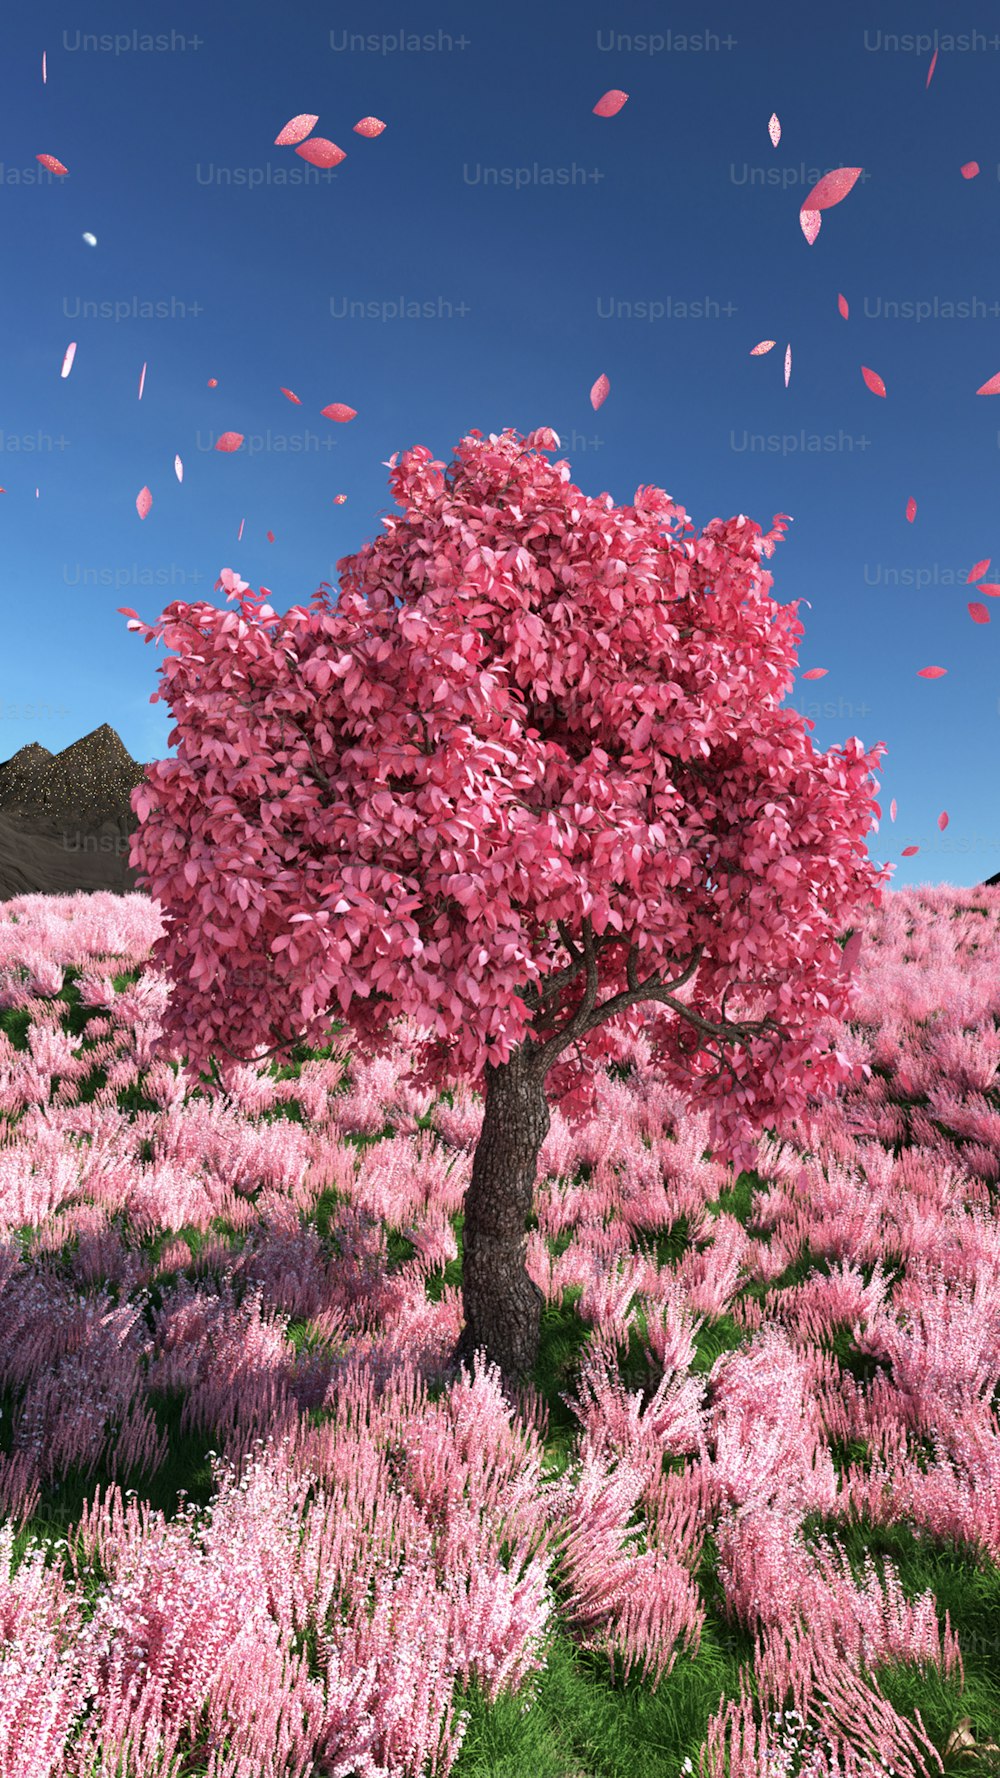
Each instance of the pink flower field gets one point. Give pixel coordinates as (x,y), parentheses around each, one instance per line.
(745,1519)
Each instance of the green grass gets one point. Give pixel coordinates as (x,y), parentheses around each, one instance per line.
(579,1718)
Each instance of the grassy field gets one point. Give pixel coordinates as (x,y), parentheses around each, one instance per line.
(577,1718)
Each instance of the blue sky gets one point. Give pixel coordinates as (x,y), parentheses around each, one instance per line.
(545,246)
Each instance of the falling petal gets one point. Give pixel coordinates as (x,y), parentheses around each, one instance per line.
(833,188)
(91,240)
(774,129)
(338,410)
(930,70)
(849,955)
(610,103)
(178,469)
(873,380)
(892,810)
(270,537)
(788,364)
(338,499)
(213,382)
(68,357)
(810,222)
(369,126)
(911,509)
(600,391)
(239,534)
(756,351)
(229,441)
(44,69)
(321,153)
(816,673)
(36,493)
(842,306)
(970,169)
(142,381)
(990,587)
(296,130)
(932,672)
(943,820)
(910,851)
(143,502)
(979,614)
(291,397)
(49,161)
(992,387)
(980,568)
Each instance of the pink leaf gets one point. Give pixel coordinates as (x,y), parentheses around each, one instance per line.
(338,410)
(68,357)
(610,103)
(910,851)
(816,673)
(296,130)
(291,397)
(842,306)
(980,568)
(49,161)
(788,364)
(970,169)
(774,129)
(319,152)
(979,614)
(213,382)
(992,387)
(932,672)
(369,126)
(338,499)
(873,380)
(990,587)
(239,534)
(911,509)
(270,537)
(930,70)
(943,820)
(810,222)
(892,810)
(600,391)
(833,188)
(850,953)
(143,502)
(229,441)
(758,350)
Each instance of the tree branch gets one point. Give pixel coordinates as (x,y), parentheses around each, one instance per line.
(589,1014)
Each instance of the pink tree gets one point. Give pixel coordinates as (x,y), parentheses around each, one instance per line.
(528,784)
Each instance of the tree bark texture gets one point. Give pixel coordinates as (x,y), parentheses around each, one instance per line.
(502,1304)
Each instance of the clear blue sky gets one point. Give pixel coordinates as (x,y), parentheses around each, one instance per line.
(526,292)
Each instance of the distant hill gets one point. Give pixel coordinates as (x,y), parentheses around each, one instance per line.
(65,818)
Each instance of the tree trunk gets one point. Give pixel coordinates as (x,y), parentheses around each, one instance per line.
(502,1304)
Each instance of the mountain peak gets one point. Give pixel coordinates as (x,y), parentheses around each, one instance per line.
(87,783)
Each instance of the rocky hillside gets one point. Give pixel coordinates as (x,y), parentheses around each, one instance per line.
(65,818)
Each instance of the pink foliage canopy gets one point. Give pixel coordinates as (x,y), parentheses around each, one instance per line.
(534,716)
